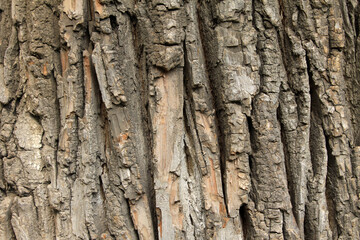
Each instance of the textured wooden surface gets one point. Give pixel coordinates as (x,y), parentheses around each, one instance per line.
(171,119)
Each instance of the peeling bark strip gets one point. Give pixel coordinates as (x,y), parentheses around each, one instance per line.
(233,119)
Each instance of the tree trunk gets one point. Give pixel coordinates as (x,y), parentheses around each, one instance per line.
(170,119)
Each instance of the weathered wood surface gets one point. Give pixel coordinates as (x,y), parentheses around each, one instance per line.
(171,119)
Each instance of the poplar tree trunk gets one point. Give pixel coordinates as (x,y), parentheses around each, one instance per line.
(171,119)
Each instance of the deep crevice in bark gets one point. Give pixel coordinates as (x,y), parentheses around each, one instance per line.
(151,171)
(315,144)
(315,120)
(329,190)
(88,231)
(245,221)
(222,138)
(284,232)
(187,110)
(315,106)
(308,232)
(107,145)
(102,191)
(189,99)
(189,161)
(252,165)
(252,138)
(288,170)
(113,22)
(206,35)
(141,74)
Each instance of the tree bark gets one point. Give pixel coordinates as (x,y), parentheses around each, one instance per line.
(171,119)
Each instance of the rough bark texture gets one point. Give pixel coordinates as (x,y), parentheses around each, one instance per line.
(172,119)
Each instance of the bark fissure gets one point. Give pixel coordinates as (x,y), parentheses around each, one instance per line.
(330,178)
(245,222)
(220,123)
(289,175)
(189,105)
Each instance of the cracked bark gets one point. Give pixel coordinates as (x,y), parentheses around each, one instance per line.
(179,119)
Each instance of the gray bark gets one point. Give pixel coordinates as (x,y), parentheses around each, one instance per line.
(171,119)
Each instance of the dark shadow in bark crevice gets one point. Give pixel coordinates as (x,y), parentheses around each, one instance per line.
(291,185)
(245,220)
(330,190)
(210,49)
(142,73)
(189,104)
